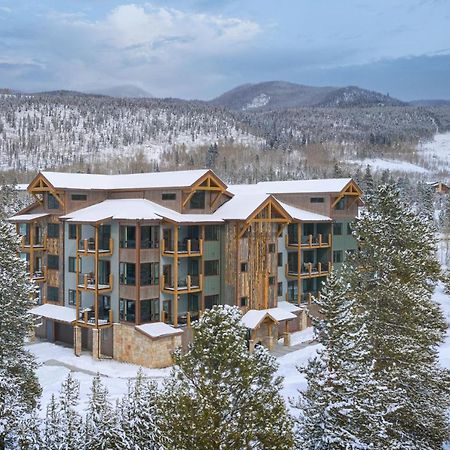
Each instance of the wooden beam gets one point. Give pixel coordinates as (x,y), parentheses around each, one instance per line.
(175,277)
(188,198)
(138,273)
(96,264)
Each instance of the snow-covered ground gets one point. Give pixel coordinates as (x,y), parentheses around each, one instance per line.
(57,361)
(393,165)
(436,153)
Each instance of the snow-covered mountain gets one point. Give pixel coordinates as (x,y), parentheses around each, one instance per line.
(123,91)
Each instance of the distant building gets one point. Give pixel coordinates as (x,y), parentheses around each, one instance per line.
(439,187)
(125,263)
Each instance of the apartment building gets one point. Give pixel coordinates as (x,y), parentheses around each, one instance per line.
(125,263)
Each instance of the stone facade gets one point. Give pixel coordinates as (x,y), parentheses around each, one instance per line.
(133,346)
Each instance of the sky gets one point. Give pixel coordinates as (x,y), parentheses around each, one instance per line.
(201,48)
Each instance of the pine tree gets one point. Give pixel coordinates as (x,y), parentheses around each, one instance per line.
(102,428)
(18,382)
(368,184)
(70,420)
(53,434)
(219,395)
(29,433)
(211,156)
(339,409)
(393,279)
(138,414)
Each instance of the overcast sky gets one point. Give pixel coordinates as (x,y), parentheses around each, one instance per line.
(200,48)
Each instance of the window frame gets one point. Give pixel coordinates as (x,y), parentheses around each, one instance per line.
(51,259)
(215,264)
(53,227)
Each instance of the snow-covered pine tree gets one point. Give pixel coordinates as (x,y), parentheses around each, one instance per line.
(368,184)
(339,410)
(29,433)
(393,279)
(102,428)
(18,381)
(53,434)
(137,412)
(425,200)
(220,396)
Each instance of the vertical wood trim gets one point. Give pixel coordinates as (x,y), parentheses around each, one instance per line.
(32,248)
(202,265)
(96,258)
(238,265)
(299,261)
(138,273)
(77,273)
(175,276)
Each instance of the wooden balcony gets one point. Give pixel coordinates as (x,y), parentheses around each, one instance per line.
(310,241)
(86,247)
(39,276)
(309,270)
(186,248)
(40,244)
(87,319)
(189,285)
(88,283)
(306,298)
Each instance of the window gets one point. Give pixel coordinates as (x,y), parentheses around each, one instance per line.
(127,273)
(150,310)
(53,262)
(212,267)
(337,256)
(316,199)
(105,303)
(349,228)
(244,301)
(341,204)
(73,264)
(127,310)
(52,203)
(127,235)
(168,196)
(337,229)
(271,281)
(197,200)
(149,274)
(280,289)
(212,233)
(52,293)
(53,230)
(211,300)
(280,259)
(79,197)
(244,267)
(72,231)
(72,297)
(149,236)
(272,248)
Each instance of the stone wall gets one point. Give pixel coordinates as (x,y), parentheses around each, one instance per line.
(130,345)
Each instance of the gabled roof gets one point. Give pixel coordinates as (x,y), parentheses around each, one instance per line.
(254,317)
(302,215)
(135,181)
(134,209)
(27,217)
(332,185)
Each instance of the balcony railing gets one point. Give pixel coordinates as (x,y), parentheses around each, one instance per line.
(309,241)
(39,275)
(87,247)
(187,247)
(40,243)
(309,269)
(87,282)
(87,317)
(190,284)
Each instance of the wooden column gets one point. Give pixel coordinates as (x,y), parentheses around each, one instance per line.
(77,272)
(299,261)
(238,266)
(31,249)
(201,268)
(138,274)
(175,276)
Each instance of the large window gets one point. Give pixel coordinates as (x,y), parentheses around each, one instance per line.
(53,262)
(316,199)
(149,236)
(73,264)
(52,203)
(211,300)
(150,310)
(127,310)
(337,229)
(212,267)
(212,232)
(127,236)
(280,260)
(127,273)
(149,274)
(52,294)
(197,200)
(341,204)
(53,230)
(72,231)
(338,256)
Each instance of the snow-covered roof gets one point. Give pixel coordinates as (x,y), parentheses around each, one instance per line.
(290,307)
(27,217)
(158,329)
(333,185)
(253,318)
(21,187)
(55,312)
(134,209)
(86,181)
(302,215)
(241,206)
